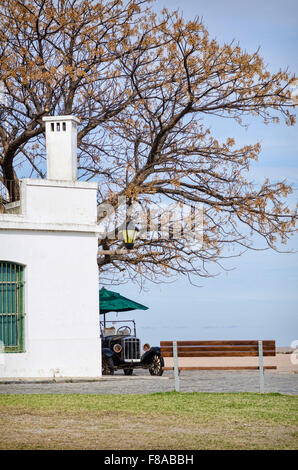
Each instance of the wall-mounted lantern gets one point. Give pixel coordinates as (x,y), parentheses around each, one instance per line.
(129,235)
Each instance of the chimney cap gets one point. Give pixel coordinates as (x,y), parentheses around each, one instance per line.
(67,117)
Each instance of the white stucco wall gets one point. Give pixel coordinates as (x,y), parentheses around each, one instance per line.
(53,233)
(59,202)
(61,303)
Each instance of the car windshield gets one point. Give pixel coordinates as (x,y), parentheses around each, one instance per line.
(121,327)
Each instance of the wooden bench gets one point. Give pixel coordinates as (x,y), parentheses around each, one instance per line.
(179,349)
(218,349)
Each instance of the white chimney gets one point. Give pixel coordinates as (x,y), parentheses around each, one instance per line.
(61,147)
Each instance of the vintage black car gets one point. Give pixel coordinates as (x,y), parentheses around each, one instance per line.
(121,349)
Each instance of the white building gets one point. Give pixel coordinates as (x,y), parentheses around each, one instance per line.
(49,299)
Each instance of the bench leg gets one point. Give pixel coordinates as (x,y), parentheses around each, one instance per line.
(261,367)
(176,370)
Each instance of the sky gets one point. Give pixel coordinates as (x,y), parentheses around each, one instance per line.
(258,297)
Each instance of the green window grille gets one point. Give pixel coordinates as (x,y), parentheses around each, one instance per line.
(11,307)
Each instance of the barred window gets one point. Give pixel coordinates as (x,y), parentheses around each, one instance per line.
(11,306)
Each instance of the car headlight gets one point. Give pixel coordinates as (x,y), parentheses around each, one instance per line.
(146,347)
(117,348)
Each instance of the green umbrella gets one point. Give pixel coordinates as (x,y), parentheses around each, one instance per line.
(110,301)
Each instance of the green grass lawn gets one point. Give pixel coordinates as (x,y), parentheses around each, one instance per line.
(157,421)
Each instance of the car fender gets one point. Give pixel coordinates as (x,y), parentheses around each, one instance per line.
(148,355)
(107,352)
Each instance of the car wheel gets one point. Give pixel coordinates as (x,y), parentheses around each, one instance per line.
(108,366)
(128,371)
(156,366)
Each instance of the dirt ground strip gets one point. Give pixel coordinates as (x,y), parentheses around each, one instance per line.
(88,430)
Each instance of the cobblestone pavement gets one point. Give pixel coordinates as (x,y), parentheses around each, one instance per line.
(141,382)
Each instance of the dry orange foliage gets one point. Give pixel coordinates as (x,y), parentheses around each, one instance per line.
(143,85)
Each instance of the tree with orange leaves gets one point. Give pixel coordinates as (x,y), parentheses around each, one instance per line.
(142,86)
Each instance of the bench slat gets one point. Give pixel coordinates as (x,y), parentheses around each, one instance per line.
(219,343)
(221,368)
(218,354)
(215,348)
